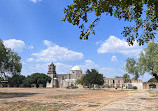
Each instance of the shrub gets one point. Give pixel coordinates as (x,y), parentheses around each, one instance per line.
(134,87)
(72,86)
(68,87)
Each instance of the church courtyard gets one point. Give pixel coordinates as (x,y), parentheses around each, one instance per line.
(61,99)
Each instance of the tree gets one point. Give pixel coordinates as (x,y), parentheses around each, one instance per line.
(80,81)
(132,67)
(92,78)
(144,13)
(16,80)
(153,80)
(37,78)
(126,78)
(118,77)
(147,62)
(2,53)
(9,61)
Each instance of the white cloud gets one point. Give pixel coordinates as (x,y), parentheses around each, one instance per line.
(43,68)
(30,59)
(114,59)
(17,45)
(116,45)
(98,42)
(55,52)
(47,43)
(106,71)
(89,64)
(111,72)
(63,68)
(30,47)
(35,1)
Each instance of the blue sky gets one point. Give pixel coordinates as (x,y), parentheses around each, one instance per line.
(34,29)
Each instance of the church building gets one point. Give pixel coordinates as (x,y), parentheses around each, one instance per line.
(63,80)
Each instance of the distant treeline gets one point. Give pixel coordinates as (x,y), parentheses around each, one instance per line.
(22,81)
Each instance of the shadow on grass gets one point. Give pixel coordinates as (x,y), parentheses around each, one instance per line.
(14,95)
(149,98)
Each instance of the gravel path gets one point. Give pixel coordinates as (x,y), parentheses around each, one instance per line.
(134,103)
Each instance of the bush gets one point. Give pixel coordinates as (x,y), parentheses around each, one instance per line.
(72,87)
(134,87)
(68,87)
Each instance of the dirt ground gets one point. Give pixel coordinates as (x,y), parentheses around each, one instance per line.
(48,99)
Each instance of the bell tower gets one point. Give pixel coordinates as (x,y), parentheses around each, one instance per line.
(52,73)
(52,69)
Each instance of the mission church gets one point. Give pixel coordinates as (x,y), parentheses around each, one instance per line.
(63,80)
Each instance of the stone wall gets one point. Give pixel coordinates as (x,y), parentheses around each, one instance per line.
(62,77)
(146,85)
(68,82)
(76,74)
(131,85)
(119,82)
(113,82)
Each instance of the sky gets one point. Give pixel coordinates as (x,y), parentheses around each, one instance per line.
(34,29)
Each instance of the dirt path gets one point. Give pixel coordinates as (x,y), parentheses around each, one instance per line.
(134,103)
(63,99)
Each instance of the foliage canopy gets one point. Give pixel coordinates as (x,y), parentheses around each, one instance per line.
(153,80)
(133,68)
(144,13)
(37,78)
(92,78)
(147,62)
(9,61)
(16,80)
(126,78)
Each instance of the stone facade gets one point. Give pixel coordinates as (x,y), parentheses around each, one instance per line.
(113,82)
(119,83)
(137,83)
(150,85)
(63,80)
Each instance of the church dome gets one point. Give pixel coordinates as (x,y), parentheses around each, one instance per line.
(76,68)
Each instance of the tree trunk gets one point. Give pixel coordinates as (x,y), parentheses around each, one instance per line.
(93,86)
(156,76)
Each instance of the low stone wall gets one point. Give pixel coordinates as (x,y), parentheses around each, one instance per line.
(131,85)
(146,85)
